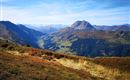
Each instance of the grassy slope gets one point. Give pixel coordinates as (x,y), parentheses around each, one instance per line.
(24,63)
(14,67)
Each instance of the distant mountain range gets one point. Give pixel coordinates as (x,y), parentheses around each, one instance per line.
(46,28)
(81,38)
(124,27)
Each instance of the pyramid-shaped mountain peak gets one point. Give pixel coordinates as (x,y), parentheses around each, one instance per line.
(82,25)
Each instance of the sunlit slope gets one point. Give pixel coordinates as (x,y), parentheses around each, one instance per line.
(20,62)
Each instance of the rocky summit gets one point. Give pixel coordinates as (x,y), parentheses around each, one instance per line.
(82,25)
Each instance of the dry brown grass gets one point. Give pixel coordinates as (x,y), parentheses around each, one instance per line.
(99,70)
(19,62)
(14,67)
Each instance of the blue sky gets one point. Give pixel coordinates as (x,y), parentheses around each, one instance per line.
(99,12)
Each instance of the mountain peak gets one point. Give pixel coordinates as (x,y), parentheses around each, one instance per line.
(82,25)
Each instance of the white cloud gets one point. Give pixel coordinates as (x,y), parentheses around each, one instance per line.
(56,13)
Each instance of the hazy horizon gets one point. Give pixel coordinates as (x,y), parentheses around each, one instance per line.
(66,25)
(66,12)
